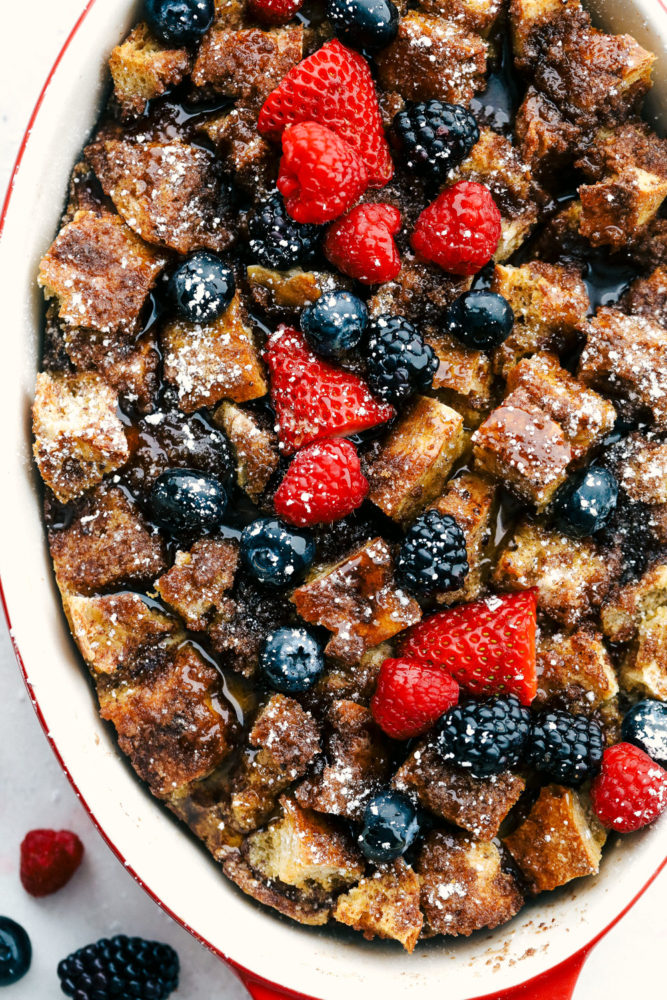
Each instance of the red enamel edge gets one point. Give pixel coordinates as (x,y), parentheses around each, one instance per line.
(555,984)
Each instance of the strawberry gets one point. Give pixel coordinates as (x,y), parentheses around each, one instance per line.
(334,87)
(361,244)
(323,483)
(488,646)
(410,696)
(49,858)
(630,791)
(314,400)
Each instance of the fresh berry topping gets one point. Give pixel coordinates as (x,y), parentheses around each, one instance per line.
(321,175)
(363,24)
(460,230)
(481,320)
(274,11)
(631,789)
(586,502)
(645,725)
(179,22)
(274,554)
(568,748)
(313,399)
(334,323)
(15,952)
(433,555)
(49,858)
(399,362)
(291,660)
(185,503)
(323,483)
(277,241)
(410,696)
(334,87)
(361,244)
(120,967)
(486,737)
(390,827)
(201,288)
(487,646)
(435,136)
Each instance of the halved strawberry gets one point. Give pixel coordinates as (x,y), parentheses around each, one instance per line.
(487,646)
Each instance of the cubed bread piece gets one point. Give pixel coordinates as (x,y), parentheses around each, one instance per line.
(248,63)
(197,585)
(131,367)
(464,886)
(78,435)
(546,141)
(167,192)
(84,193)
(313,912)
(411,467)
(573,576)
(559,240)
(358,601)
(238,630)
(471,500)
(421,292)
(559,840)
(108,543)
(575,666)
(142,69)
(531,20)
(623,613)
(433,58)
(356,682)
(641,469)
(477,15)
(478,805)
(354,768)
(648,296)
(207,362)
(384,905)
(99,272)
(464,377)
(247,156)
(613,150)
(280,292)
(255,447)
(616,210)
(644,669)
(203,806)
(550,303)
(626,357)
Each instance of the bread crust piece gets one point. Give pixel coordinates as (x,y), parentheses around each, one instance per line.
(547,142)
(142,69)
(131,367)
(197,585)
(238,630)
(476,15)
(471,500)
(648,296)
(247,63)
(623,613)
(305,911)
(247,156)
(577,666)
(385,905)
(255,447)
(464,376)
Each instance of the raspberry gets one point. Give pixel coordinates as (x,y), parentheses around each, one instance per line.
(321,176)
(410,696)
(630,791)
(49,858)
(433,555)
(334,87)
(399,362)
(460,230)
(323,484)
(361,244)
(486,737)
(120,967)
(274,11)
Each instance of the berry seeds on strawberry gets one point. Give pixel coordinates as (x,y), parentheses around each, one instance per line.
(410,696)
(361,244)
(631,789)
(460,230)
(323,484)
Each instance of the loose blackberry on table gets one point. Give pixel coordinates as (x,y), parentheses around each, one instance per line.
(120,966)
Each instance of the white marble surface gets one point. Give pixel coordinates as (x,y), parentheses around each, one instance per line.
(102,898)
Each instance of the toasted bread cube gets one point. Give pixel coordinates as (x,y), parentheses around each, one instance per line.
(476,15)
(433,58)
(207,362)
(384,905)
(107,544)
(239,629)
(247,63)
(572,576)
(463,377)
(288,291)
(471,500)
(142,69)
(358,601)
(247,156)
(559,840)
(78,436)
(197,584)
(574,664)
(356,682)
(634,603)
(313,912)
(529,17)
(616,210)
(255,447)
(633,144)
(131,367)
(421,293)
(464,887)
(413,463)
(203,805)
(546,141)
(648,296)
(99,272)
(645,667)
(642,469)
(478,805)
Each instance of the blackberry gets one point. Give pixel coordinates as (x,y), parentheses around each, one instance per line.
(433,555)
(120,967)
(399,362)
(277,241)
(435,136)
(485,737)
(568,748)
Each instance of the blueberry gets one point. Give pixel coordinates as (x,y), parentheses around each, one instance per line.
(15,952)
(390,827)
(364,24)
(179,22)
(645,725)
(291,660)
(586,502)
(334,323)
(201,288)
(480,319)
(274,553)
(186,503)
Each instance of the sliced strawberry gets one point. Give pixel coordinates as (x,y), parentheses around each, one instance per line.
(314,400)
(487,646)
(410,696)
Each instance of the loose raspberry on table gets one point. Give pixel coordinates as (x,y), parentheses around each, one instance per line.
(410,696)
(49,858)
(361,244)
(460,230)
(274,11)
(323,483)
(630,791)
